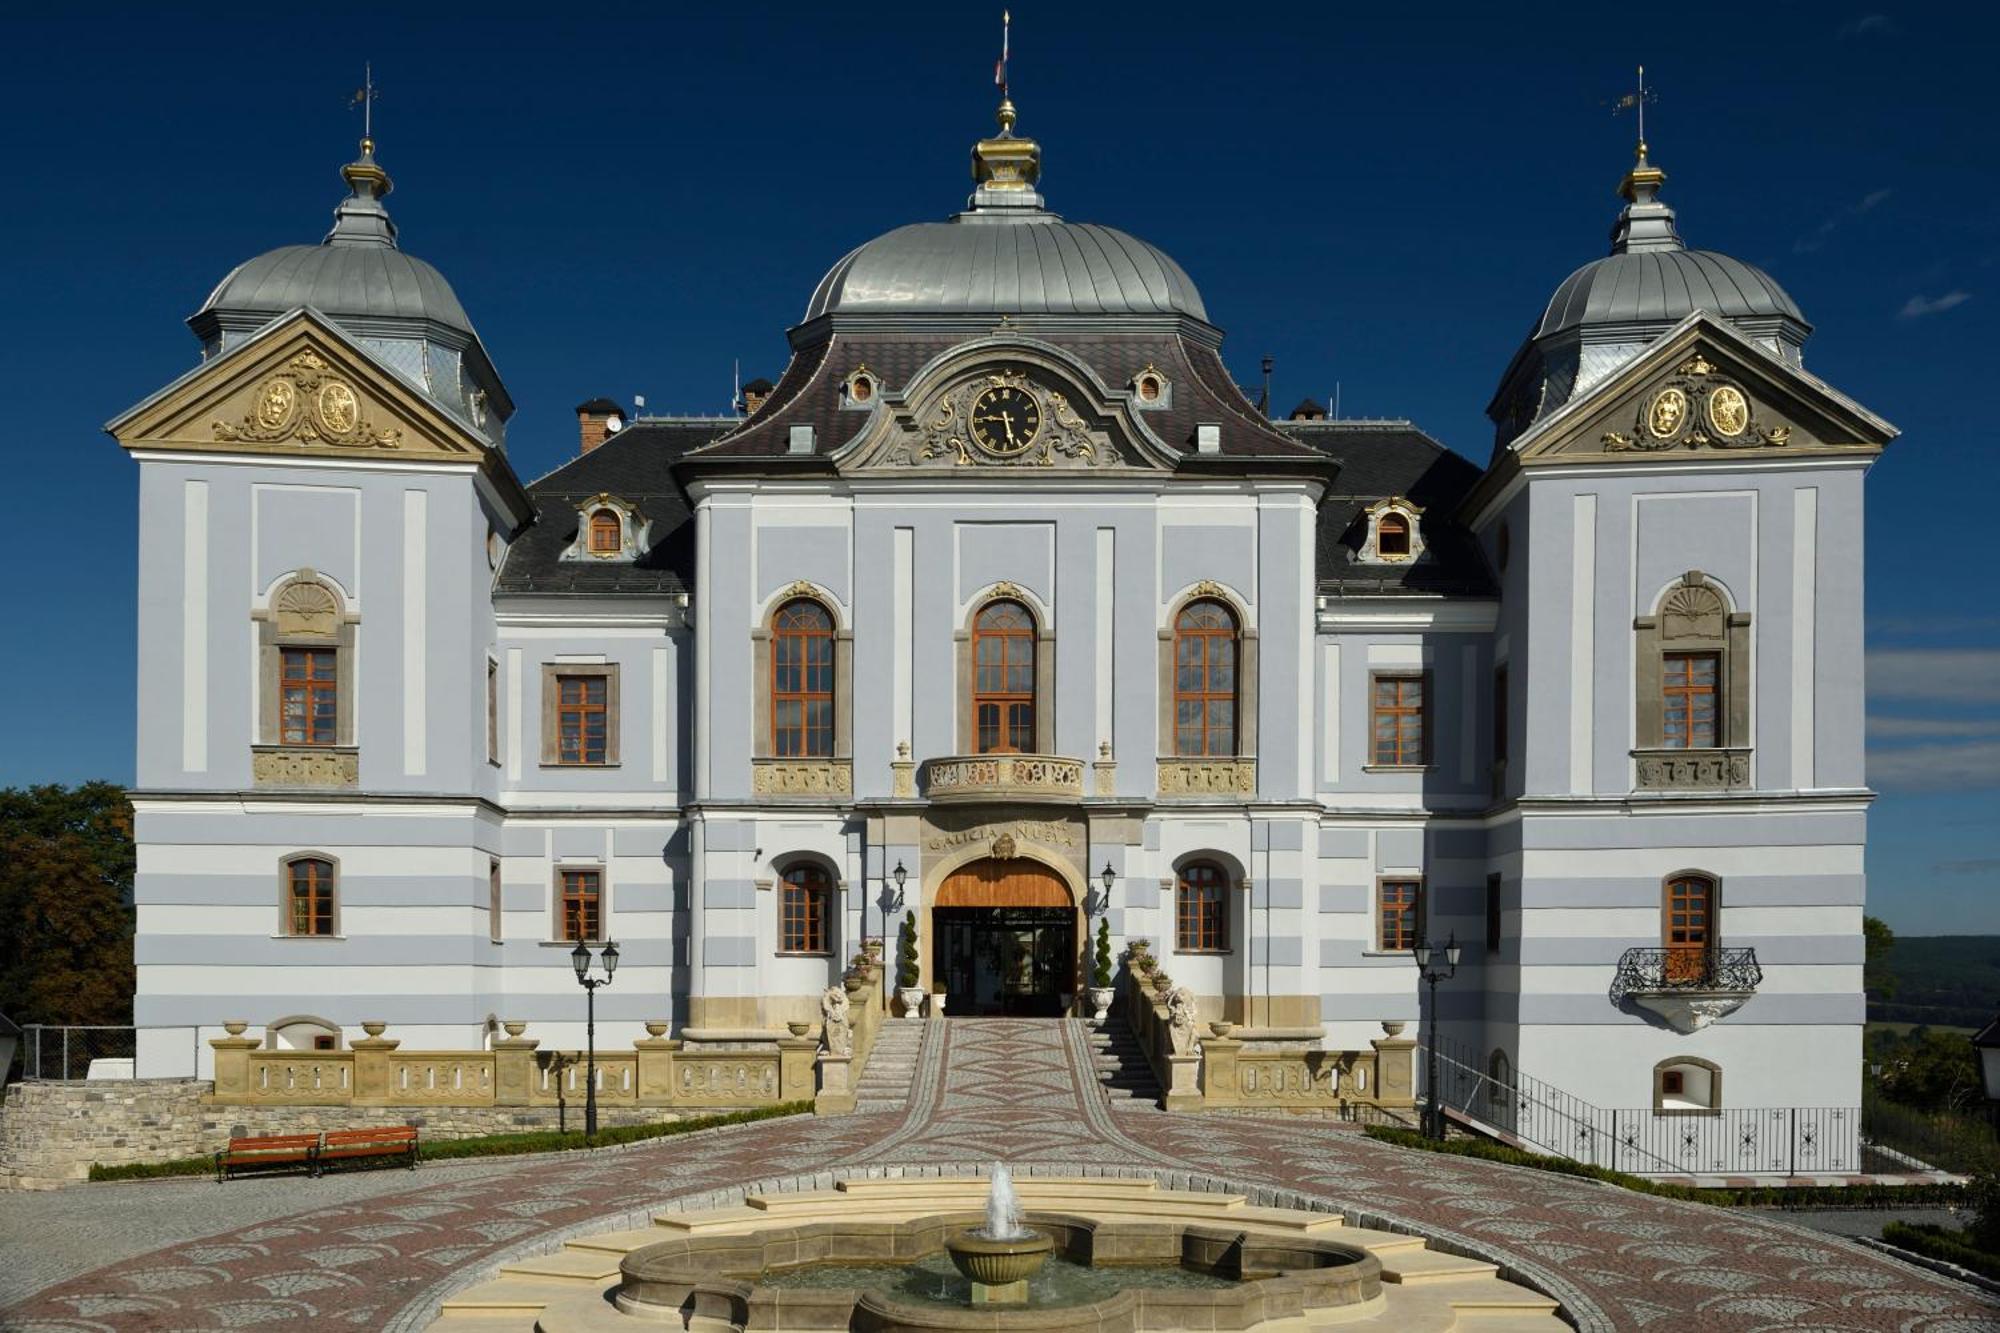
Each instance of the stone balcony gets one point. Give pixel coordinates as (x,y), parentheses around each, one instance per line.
(1689,988)
(1003,777)
(1692,770)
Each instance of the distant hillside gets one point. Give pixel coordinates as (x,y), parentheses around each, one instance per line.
(1945,980)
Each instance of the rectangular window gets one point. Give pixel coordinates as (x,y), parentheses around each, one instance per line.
(492,711)
(1492,914)
(309,896)
(1673,1083)
(1500,715)
(1690,695)
(1398,711)
(1402,914)
(308,697)
(580,904)
(493,899)
(581,719)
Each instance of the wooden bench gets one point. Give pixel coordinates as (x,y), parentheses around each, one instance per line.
(270,1152)
(348,1145)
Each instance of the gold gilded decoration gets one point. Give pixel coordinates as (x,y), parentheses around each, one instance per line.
(1666,414)
(1005,420)
(1699,365)
(1002,417)
(1209,588)
(1004,589)
(800,588)
(336,416)
(307,608)
(1728,411)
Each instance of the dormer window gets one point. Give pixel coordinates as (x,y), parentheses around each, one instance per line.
(859,388)
(1151,389)
(1393,535)
(607,533)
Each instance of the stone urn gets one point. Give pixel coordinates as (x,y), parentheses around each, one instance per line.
(1100,1003)
(798,1028)
(1221,1028)
(937,1004)
(913,1000)
(999,1269)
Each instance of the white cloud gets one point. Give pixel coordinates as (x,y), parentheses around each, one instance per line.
(1918,306)
(1816,238)
(1946,675)
(1936,767)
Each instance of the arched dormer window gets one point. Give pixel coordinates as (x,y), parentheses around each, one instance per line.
(1393,534)
(607,532)
(1392,537)
(1003,678)
(1692,688)
(1205,677)
(801,683)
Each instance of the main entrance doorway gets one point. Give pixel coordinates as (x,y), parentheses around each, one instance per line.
(1004,939)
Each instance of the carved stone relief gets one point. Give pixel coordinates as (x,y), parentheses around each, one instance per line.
(304,766)
(945,429)
(307,400)
(801,777)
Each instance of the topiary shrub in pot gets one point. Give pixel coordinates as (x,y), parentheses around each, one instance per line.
(907,972)
(1100,974)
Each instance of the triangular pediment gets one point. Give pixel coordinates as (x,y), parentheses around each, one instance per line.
(299,388)
(1703,391)
(1001,403)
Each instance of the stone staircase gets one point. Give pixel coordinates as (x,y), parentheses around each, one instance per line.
(1121,1067)
(892,1066)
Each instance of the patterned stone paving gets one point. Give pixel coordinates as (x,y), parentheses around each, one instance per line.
(1019,1090)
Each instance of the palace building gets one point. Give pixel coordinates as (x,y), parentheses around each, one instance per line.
(1006,610)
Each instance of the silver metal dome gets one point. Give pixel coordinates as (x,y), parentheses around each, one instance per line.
(1662,287)
(357,281)
(1033,263)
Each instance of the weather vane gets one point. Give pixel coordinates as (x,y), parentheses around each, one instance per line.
(1000,65)
(364,97)
(1636,101)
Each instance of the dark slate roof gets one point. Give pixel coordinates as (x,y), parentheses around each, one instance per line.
(635,466)
(1379,459)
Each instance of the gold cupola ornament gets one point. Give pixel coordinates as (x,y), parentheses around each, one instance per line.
(1006,167)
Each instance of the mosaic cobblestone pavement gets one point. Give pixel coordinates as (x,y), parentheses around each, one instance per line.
(1022,1091)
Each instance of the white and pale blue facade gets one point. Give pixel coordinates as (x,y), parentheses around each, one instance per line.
(1622,666)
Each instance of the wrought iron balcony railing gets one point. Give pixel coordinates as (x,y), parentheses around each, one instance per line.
(1664,971)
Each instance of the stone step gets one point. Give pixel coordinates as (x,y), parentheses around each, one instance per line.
(617,1242)
(1426,1266)
(506,1296)
(1488,1297)
(1378,1242)
(580,1266)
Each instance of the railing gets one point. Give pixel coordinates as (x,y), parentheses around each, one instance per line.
(1015,776)
(1652,971)
(1965,1141)
(1788,1140)
(53,1054)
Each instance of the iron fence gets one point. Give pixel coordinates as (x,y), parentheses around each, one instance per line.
(1966,1141)
(1651,971)
(53,1054)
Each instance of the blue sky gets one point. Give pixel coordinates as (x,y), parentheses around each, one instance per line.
(628,198)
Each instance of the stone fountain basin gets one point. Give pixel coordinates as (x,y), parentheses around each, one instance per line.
(997,1261)
(716,1277)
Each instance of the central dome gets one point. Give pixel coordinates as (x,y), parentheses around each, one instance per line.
(1031,263)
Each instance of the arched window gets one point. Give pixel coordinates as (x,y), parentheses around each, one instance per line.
(607,536)
(802,681)
(309,896)
(1201,909)
(805,901)
(1003,678)
(1205,680)
(1392,536)
(1692,663)
(1688,927)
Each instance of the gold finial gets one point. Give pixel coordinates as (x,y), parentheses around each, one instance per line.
(1005,164)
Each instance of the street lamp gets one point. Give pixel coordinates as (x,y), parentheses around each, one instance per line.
(1109,880)
(579,958)
(889,905)
(1423,953)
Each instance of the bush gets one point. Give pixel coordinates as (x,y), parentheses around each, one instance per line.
(1946,1243)
(492,1145)
(1984,1198)
(906,952)
(1100,965)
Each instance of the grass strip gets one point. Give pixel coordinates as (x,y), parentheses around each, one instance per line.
(491,1145)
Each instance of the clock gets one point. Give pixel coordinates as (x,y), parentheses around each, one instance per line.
(1005,420)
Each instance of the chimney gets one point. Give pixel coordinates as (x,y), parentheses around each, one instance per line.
(754,395)
(598,420)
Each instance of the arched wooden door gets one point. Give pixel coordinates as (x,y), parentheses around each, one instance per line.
(1004,938)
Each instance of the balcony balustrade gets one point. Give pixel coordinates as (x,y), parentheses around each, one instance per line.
(1009,777)
(1689,988)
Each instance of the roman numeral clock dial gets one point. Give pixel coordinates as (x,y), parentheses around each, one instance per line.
(1005,420)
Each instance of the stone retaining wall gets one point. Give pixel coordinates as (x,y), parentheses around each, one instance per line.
(51,1133)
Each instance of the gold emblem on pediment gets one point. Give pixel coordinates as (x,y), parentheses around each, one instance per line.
(1698,408)
(1666,414)
(1728,411)
(277,413)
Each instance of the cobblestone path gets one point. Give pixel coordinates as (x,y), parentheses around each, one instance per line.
(1022,1091)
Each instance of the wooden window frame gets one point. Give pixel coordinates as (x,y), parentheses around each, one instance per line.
(1688,691)
(1385,942)
(1201,921)
(1664,634)
(564,891)
(596,526)
(287,905)
(552,674)
(1402,531)
(1205,697)
(1685,958)
(1007,702)
(1422,713)
(806,907)
(312,687)
(804,696)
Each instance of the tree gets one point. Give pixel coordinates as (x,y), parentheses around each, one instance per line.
(1100,967)
(1877,939)
(906,952)
(66,863)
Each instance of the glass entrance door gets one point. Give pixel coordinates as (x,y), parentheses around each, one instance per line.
(1016,961)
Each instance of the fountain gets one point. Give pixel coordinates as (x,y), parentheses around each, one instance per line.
(1000,1257)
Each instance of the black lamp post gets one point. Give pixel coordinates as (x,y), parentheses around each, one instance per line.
(890,903)
(579,958)
(1424,954)
(1109,879)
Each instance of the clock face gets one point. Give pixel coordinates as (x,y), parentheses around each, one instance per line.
(1005,420)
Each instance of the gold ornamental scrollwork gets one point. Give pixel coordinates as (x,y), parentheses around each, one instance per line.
(1698,408)
(307,400)
(945,434)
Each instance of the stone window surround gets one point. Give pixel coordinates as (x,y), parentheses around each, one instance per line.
(1371,552)
(1246,675)
(843,675)
(836,898)
(1714,1070)
(555,939)
(1427,719)
(279,627)
(1045,666)
(493,709)
(551,738)
(632,530)
(285,864)
(495,901)
(1727,635)
(1232,878)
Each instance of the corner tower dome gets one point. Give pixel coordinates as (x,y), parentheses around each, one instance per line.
(395,305)
(1604,313)
(1006,253)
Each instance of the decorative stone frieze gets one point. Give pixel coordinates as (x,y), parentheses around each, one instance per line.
(305,766)
(1693,770)
(1019,777)
(801,777)
(1204,777)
